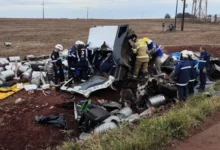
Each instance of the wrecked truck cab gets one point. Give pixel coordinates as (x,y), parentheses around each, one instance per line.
(116,38)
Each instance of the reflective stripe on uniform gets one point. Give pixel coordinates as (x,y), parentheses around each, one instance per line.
(181,84)
(134,50)
(142,57)
(188,67)
(202,61)
(192,80)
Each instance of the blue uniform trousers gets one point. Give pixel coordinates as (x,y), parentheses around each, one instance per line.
(191,86)
(202,77)
(182,92)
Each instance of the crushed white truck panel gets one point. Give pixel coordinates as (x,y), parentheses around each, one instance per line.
(100,34)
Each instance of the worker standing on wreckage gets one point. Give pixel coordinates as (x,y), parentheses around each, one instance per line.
(182,76)
(204,62)
(57,66)
(78,61)
(156,53)
(142,58)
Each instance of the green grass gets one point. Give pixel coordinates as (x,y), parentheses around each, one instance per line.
(154,133)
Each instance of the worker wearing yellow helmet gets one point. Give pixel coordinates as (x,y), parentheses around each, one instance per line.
(142,58)
(156,52)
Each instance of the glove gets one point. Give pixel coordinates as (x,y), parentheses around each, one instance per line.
(150,57)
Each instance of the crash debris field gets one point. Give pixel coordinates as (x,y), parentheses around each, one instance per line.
(38,37)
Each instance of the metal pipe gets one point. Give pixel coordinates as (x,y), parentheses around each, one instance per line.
(3,62)
(157,100)
(2,80)
(14,58)
(105,127)
(125,112)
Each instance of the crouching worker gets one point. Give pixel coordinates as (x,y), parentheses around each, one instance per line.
(78,60)
(182,76)
(57,66)
(142,58)
(193,74)
(107,66)
(204,62)
(156,52)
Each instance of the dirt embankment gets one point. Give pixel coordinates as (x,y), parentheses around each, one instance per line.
(18,130)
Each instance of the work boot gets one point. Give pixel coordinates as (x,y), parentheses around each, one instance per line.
(134,77)
(201,90)
(176,101)
(146,75)
(198,88)
(83,81)
(57,88)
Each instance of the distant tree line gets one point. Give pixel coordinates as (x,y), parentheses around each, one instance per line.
(179,15)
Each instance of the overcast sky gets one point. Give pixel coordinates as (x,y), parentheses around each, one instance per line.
(115,9)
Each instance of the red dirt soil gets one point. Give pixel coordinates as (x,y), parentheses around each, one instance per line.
(205,138)
(18,131)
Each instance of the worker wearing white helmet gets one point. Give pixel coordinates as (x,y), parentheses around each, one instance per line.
(77,60)
(193,73)
(57,66)
(182,76)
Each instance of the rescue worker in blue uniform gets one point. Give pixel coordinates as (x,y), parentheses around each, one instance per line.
(193,74)
(78,60)
(182,76)
(70,60)
(107,66)
(57,66)
(204,62)
(156,53)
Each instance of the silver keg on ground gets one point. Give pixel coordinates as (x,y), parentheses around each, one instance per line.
(157,100)
(3,62)
(14,58)
(8,74)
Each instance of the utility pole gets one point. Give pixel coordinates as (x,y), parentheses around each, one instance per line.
(43,9)
(183,16)
(176,12)
(87,12)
